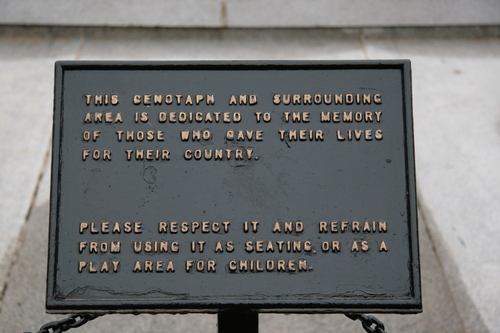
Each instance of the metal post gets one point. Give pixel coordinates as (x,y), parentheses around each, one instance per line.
(238,322)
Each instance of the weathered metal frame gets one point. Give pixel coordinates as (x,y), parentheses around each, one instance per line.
(326,305)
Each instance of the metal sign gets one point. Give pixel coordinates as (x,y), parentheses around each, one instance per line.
(195,187)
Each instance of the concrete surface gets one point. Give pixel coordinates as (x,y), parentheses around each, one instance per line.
(26,90)
(457,130)
(360,13)
(150,13)
(456,110)
(251,13)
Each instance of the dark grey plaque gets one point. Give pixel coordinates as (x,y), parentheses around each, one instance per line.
(320,160)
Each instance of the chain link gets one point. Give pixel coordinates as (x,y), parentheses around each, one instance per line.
(367,322)
(78,320)
(65,324)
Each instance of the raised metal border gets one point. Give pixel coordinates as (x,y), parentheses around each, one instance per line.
(412,304)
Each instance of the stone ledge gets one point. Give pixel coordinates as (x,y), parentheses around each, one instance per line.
(361,13)
(251,13)
(146,13)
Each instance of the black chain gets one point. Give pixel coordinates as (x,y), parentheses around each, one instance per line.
(65,324)
(367,322)
(78,320)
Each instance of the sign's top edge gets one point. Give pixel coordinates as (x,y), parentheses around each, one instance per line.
(268,64)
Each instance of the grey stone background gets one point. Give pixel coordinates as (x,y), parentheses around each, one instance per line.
(454,47)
